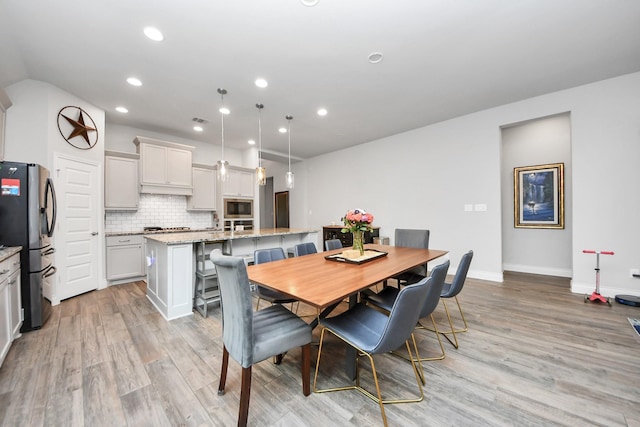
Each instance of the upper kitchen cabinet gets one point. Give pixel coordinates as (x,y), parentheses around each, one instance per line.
(121,181)
(165,167)
(241,183)
(204,189)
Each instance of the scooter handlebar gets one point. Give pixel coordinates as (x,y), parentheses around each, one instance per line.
(590,251)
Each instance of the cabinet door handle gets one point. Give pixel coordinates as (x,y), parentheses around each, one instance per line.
(124,241)
(95,233)
(4,271)
(13,282)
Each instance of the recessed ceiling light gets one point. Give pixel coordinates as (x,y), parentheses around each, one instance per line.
(322,112)
(309,3)
(121,110)
(134,81)
(198,128)
(252,142)
(282,130)
(154,34)
(224,110)
(262,83)
(375,57)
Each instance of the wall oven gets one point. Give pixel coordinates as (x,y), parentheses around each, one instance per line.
(238,208)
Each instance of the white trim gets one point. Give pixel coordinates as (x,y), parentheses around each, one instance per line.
(545,271)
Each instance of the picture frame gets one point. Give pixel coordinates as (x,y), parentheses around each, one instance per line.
(539,196)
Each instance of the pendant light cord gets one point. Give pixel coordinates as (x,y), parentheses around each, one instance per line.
(260,107)
(289,132)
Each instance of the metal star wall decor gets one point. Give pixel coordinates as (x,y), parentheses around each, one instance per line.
(77,127)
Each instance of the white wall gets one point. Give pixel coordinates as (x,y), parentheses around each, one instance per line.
(423,178)
(32,126)
(527,250)
(120,138)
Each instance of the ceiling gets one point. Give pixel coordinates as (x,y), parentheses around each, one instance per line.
(442,59)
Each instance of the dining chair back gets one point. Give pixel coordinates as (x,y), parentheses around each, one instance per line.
(387,297)
(250,337)
(260,256)
(412,238)
(451,290)
(332,244)
(372,332)
(304,249)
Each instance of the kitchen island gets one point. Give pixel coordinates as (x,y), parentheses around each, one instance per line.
(171,260)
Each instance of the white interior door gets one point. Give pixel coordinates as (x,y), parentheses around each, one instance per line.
(77,241)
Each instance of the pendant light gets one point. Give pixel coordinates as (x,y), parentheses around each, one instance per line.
(261,173)
(223,165)
(288,177)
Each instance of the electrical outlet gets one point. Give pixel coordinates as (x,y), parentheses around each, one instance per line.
(468,208)
(634,272)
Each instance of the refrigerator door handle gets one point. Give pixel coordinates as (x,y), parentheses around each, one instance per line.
(50,189)
(49,272)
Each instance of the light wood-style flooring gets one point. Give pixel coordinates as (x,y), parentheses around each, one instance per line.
(535,355)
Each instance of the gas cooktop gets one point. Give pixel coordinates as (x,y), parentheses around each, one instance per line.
(165,229)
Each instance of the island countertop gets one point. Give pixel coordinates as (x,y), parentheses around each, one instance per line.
(221,236)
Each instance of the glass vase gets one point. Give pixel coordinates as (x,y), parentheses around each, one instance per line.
(358,242)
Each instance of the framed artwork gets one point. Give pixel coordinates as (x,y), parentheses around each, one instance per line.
(538,198)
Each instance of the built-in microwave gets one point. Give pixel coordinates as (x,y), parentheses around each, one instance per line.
(238,208)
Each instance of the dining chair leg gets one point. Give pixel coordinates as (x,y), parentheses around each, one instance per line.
(245,394)
(306,369)
(452,331)
(223,371)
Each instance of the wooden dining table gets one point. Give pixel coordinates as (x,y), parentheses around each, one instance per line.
(324,283)
(319,282)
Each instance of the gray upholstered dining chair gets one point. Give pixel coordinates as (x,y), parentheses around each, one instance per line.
(251,337)
(451,290)
(370,332)
(332,244)
(412,238)
(261,256)
(387,297)
(304,249)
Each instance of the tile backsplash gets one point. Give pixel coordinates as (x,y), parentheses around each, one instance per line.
(157,210)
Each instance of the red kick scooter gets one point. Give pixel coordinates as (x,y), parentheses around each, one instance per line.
(595,296)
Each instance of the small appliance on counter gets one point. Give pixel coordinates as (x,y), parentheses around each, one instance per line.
(28,217)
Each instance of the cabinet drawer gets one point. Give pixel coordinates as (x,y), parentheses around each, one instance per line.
(9,266)
(136,239)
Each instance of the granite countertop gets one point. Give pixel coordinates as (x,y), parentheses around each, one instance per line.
(221,236)
(138,232)
(7,252)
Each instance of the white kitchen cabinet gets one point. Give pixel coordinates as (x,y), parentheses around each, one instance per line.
(204,189)
(5,325)
(121,190)
(15,303)
(10,303)
(241,183)
(125,257)
(165,167)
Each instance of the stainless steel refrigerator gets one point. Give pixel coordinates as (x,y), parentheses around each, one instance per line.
(27,219)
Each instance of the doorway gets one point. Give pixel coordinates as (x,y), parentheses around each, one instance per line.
(79,251)
(267,217)
(282,209)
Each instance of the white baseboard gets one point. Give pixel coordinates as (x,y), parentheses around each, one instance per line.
(485,275)
(545,271)
(607,291)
